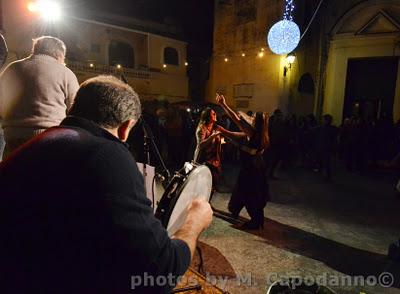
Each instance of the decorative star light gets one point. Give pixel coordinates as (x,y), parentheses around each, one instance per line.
(284,36)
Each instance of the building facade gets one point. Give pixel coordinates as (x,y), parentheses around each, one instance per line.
(346,64)
(148,55)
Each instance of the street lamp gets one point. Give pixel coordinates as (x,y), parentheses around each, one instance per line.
(290,58)
(47,9)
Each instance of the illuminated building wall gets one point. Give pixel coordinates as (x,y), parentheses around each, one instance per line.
(343,31)
(106,44)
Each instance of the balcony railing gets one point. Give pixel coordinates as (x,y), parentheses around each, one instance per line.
(106,69)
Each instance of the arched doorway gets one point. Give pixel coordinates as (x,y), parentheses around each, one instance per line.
(362,51)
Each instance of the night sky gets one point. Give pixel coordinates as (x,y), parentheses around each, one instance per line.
(194,16)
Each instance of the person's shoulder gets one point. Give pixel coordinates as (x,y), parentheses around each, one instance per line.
(69,71)
(96,143)
(113,151)
(201,129)
(16,63)
(71,77)
(114,158)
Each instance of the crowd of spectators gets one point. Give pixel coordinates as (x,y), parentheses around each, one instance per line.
(361,145)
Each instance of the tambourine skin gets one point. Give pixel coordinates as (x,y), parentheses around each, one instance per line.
(192,181)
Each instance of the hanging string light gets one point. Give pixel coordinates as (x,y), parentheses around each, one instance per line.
(284,36)
(289,7)
(248,53)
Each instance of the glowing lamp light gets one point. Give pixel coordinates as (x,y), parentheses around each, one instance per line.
(283,37)
(186,64)
(164,66)
(119,66)
(32,7)
(91,65)
(243,54)
(188,110)
(48,10)
(261,54)
(290,58)
(226,59)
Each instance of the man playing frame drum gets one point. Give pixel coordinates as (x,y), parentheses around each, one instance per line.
(74,215)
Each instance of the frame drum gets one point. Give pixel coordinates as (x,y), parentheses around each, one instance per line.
(191,182)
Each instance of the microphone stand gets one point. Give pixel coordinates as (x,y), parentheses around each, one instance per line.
(149,137)
(146,150)
(149,140)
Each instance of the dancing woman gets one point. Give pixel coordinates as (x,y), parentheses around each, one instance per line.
(208,148)
(251,189)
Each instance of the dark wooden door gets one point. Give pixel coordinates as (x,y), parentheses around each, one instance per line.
(370,87)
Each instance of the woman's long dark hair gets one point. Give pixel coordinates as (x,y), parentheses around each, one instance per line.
(261,130)
(205,116)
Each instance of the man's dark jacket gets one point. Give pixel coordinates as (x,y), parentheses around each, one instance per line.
(74,217)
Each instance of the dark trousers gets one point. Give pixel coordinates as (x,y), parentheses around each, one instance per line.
(251,191)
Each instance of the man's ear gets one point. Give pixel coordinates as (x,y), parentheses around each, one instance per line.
(124,129)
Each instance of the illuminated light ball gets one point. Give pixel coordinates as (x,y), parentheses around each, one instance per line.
(283,37)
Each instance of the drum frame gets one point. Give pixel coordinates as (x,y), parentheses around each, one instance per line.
(174,189)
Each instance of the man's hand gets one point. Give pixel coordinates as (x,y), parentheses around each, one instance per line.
(199,217)
(201,213)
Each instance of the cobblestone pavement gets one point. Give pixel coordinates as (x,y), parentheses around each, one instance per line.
(315,229)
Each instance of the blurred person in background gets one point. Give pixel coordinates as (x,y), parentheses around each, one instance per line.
(208,147)
(35,92)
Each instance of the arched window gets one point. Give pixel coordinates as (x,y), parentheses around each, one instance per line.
(171,56)
(121,53)
(306,84)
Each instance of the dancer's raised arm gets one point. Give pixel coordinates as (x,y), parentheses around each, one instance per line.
(230,135)
(234,116)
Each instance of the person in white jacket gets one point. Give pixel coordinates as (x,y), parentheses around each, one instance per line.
(35,92)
